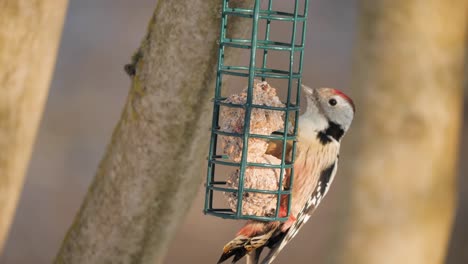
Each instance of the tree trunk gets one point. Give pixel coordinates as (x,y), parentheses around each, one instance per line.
(156,159)
(402,150)
(29,38)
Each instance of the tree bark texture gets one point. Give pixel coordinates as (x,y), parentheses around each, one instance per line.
(402,151)
(156,159)
(29,38)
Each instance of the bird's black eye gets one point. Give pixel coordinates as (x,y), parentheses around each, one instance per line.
(332,102)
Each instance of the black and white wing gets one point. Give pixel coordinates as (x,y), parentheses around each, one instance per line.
(323,185)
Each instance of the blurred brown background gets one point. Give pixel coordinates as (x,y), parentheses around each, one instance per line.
(86,96)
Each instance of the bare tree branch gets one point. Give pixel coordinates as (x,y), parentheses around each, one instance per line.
(157,156)
(402,150)
(29,37)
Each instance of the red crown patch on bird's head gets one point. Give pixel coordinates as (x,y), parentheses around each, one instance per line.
(344,96)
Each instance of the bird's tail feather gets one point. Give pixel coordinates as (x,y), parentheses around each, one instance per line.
(253,236)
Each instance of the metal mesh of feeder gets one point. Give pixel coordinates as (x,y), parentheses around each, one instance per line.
(236,185)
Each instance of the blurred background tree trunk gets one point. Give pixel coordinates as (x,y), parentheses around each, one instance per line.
(458,250)
(156,159)
(401,154)
(29,38)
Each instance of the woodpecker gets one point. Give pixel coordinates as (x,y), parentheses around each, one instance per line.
(327,118)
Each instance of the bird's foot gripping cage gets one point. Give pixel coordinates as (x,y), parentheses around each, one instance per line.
(273,203)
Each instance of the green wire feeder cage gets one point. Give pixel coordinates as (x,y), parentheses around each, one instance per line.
(288,132)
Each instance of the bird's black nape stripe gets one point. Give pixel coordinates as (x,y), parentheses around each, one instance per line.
(324,179)
(334,130)
(323,138)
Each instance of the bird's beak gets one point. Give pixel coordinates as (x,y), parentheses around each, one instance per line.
(308,91)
